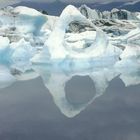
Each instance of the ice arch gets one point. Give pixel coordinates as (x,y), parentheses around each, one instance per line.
(56,44)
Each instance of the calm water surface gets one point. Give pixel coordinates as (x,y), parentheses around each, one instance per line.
(28,112)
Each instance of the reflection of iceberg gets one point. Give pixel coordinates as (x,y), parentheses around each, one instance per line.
(23,76)
(55,80)
(130,77)
(129,66)
(129,70)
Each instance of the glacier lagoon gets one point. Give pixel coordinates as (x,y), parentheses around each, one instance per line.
(69,72)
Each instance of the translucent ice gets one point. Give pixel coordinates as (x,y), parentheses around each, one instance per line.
(6,78)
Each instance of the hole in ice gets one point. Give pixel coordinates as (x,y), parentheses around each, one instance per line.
(80,89)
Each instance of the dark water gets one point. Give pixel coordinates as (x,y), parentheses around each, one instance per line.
(28,112)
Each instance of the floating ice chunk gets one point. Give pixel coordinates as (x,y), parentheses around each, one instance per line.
(87,35)
(29,20)
(90,13)
(23,76)
(27,11)
(129,58)
(138,16)
(42,57)
(130,76)
(128,38)
(4,43)
(51,22)
(4,49)
(6,78)
(22,53)
(131,52)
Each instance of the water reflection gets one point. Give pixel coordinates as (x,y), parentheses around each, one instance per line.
(55,78)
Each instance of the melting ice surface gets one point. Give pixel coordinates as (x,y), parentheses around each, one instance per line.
(40,45)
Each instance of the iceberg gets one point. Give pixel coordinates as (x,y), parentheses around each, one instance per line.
(22,52)
(4,49)
(29,20)
(6,78)
(99,47)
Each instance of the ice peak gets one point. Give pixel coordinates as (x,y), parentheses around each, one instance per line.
(27,11)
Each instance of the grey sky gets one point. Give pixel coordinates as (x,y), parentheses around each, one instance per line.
(94,1)
(55,7)
(4,2)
